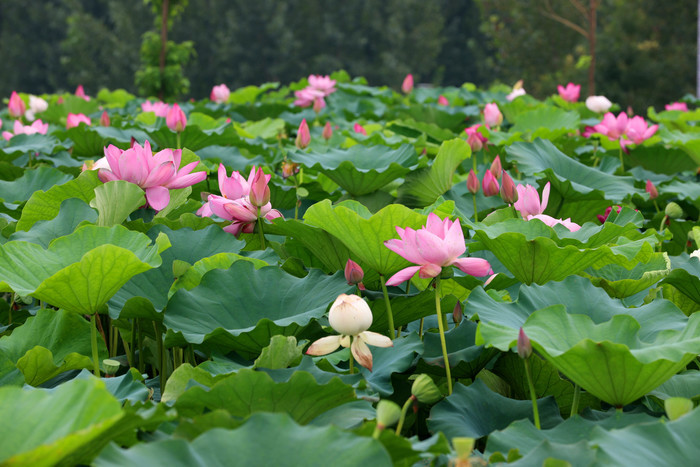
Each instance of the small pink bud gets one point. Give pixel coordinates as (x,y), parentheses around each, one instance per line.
(492,115)
(319,104)
(104,119)
(176,119)
(651,189)
(508,192)
(490,184)
(524,346)
(442,100)
(496,167)
(16,106)
(353,272)
(80,92)
(473,184)
(359,129)
(457,313)
(303,135)
(259,191)
(327,131)
(407,85)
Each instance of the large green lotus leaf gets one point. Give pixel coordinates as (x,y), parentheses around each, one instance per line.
(609,360)
(127,387)
(72,214)
(184,377)
(86,142)
(146,294)
(390,360)
(248,391)
(577,296)
(282,352)
(551,118)
(192,276)
(50,343)
(347,416)
(413,129)
(684,190)
(81,271)
(363,236)
(230,156)
(466,358)
(685,276)
(360,169)
(541,156)
(660,159)
(51,427)
(405,308)
(621,282)
(241,308)
(20,144)
(532,256)
(408,452)
(193,137)
(283,443)
(120,137)
(44,205)
(685,384)
(422,187)
(116,200)
(475,411)
(22,188)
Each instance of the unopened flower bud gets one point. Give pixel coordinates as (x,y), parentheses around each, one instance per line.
(508,192)
(524,346)
(407,85)
(425,390)
(496,167)
(651,189)
(327,131)
(175,119)
(676,407)
(490,184)
(303,135)
(457,314)
(104,119)
(673,210)
(259,191)
(350,315)
(353,272)
(473,184)
(388,413)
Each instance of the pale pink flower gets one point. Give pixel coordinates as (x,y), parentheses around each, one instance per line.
(175,119)
(515,93)
(359,129)
(74,120)
(682,106)
(36,105)
(16,106)
(308,96)
(551,221)
(439,244)
(475,139)
(220,94)
(570,93)
(598,104)
(611,126)
(492,115)
(37,127)
(407,85)
(638,130)
(528,203)
(80,92)
(322,83)
(159,108)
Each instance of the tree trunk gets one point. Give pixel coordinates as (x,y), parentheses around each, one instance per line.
(698,55)
(591,45)
(164,41)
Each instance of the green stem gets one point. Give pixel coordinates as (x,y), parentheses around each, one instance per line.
(260,230)
(441,328)
(352,360)
(577,397)
(662,226)
(656,206)
(377,431)
(127,350)
(404,410)
(178,139)
(93,340)
(476,212)
(622,163)
(420,330)
(389,314)
(474,162)
(161,354)
(132,362)
(533,395)
(9,313)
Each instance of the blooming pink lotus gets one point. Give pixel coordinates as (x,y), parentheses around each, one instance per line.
(551,221)
(16,105)
(682,106)
(175,119)
(310,97)
(156,174)
(74,120)
(158,108)
(407,85)
(528,203)
(442,100)
(475,139)
(439,244)
(220,94)
(492,115)
(322,83)
(611,126)
(638,131)
(570,93)
(19,129)
(80,92)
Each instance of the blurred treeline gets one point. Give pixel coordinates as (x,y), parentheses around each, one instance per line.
(646,49)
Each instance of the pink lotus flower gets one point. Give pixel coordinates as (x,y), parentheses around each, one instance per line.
(524,346)
(475,139)
(36,105)
(74,120)
(509,193)
(156,174)
(327,131)
(570,93)
(516,92)
(308,96)
(303,135)
(442,100)
(528,203)
(407,85)
(359,129)
(104,119)
(175,119)
(682,106)
(350,316)
(159,108)
(492,115)
(220,94)
(551,221)
(638,130)
(490,184)
(611,126)
(19,129)
(439,244)
(80,92)
(603,217)
(598,104)
(16,105)
(322,83)
(651,189)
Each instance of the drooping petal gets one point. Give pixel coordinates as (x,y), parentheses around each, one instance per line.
(324,346)
(545,198)
(107,175)
(158,197)
(217,203)
(361,353)
(205,210)
(376,339)
(429,270)
(403,275)
(112,154)
(473,266)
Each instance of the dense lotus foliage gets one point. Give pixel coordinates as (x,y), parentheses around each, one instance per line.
(330,272)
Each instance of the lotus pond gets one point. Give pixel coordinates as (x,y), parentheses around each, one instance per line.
(330,272)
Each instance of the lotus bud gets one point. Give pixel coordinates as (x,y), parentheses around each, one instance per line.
(524,346)
(220,94)
(598,104)
(327,131)
(676,407)
(289,169)
(16,106)
(350,315)
(496,167)
(407,85)
(442,100)
(176,119)
(303,135)
(319,104)
(104,119)
(259,190)
(359,129)
(490,184)
(651,189)
(473,184)
(388,413)
(457,313)
(508,192)
(425,390)
(80,92)
(492,115)
(353,272)
(673,210)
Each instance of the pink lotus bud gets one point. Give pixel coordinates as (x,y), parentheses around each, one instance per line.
(327,131)
(176,119)
(259,191)
(104,119)
(496,167)
(492,115)
(473,184)
(16,106)
(303,135)
(74,120)
(80,92)
(407,85)
(319,104)
(353,272)
(474,138)
(508,192)
(524,346)
(359,129)
(442,100)
(651,189)
(220,94)
(490,184)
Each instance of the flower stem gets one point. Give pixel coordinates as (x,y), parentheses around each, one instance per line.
(93,340)
(389,314)
(656,206)
(404,410)
(420,330)
(622,163)
(352,359)
(476,212)
(178,140)
(161,354)
(577,397)
(441,328)
(662,226)
(260,230)
(533,395)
